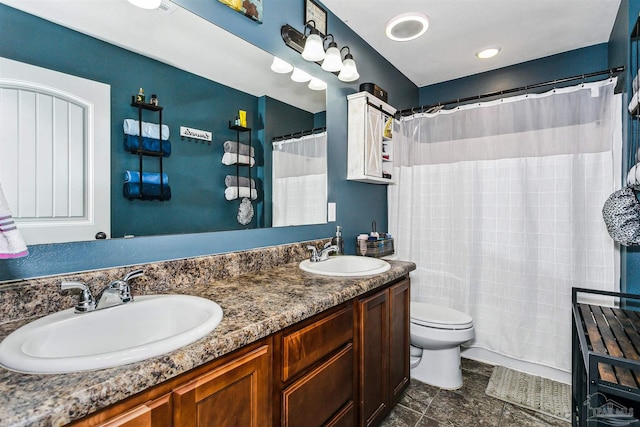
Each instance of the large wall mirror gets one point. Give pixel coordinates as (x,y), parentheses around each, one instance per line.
(202,75)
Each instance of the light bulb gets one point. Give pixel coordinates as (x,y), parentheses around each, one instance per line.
(349,71)
(332,60)
(317,84)
(280,66)
(146,4)
(300,76)
(313,48)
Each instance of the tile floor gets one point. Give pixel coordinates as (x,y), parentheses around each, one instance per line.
(423,405)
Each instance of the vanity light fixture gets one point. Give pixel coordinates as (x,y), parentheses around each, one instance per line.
(300,76)
(317,84)
(280,66)
(407,26)
(146,4)
(489,52)
(332,59)
(349,71)
(313,46)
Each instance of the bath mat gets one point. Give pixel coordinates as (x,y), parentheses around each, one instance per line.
(536,393)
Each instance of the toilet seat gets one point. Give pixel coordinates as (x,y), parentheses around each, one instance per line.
(434,316)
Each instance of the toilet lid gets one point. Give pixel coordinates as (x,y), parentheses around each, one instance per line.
(439,317)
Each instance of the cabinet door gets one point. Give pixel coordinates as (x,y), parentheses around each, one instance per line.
(235,394)
(373,142)
(399,303)
(373,334)
(156,413)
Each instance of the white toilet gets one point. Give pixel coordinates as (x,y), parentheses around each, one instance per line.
(436,335)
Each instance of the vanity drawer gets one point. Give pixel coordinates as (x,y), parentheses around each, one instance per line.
(323,396)
(304,347)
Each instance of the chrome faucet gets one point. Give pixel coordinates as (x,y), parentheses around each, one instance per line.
(115,293)
(323,254)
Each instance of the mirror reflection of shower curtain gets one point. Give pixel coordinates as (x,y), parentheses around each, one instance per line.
(300,180)
(499,205)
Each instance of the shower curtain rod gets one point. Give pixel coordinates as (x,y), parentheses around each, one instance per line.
(436,107)
(298,134)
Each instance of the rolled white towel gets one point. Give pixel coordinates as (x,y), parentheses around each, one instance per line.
(150,130)
(231,193)
(633,176)
(633,104)
(233,158)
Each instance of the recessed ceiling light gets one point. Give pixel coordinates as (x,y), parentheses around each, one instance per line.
(489,52)
(407,26)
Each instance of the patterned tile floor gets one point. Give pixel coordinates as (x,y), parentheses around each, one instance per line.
(423,405)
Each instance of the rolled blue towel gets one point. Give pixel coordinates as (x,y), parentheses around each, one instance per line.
(151,130)
(147,177)
(149,144)
(131,190)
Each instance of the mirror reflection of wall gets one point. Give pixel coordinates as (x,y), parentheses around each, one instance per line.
(195,170)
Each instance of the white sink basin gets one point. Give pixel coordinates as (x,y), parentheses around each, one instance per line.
(346,265)
(149,326)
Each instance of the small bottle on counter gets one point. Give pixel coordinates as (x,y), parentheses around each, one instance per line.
(338,240)
(154,100)
(140,96)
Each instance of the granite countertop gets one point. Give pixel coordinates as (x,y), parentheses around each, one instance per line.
(255,306)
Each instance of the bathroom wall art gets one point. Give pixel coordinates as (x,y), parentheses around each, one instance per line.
(250,8)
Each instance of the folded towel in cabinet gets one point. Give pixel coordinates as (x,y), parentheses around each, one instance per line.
(238,181)
(231,193)
(147,177)
(149,144)
(149,130)
(233,158)
(132,190)
(235,147)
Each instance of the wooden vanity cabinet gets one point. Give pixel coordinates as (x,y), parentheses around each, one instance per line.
(382,338)
(156,413)
(234,394)
(234,390)
(314,375)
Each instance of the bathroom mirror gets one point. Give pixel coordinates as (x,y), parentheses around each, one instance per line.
(202,87)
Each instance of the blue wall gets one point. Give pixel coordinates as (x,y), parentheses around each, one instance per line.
(357,203)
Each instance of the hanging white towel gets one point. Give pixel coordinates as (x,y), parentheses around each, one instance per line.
(149,130)
(233,158)
(11,243)
(231,193)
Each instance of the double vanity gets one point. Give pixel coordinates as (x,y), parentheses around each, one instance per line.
(292,347)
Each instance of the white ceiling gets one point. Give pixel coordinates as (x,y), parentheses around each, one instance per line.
(525,29)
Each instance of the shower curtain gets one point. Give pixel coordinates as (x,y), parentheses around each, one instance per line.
(300,180)
(499,205)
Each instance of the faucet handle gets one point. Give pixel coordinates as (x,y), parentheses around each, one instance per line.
(86,301)
(133,274)
(314,253)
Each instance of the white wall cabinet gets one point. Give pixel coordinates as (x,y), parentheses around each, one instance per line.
(370,139)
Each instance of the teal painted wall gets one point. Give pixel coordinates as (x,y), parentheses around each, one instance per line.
(357,203)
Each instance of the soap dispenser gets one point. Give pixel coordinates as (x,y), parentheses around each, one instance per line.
(338,240)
